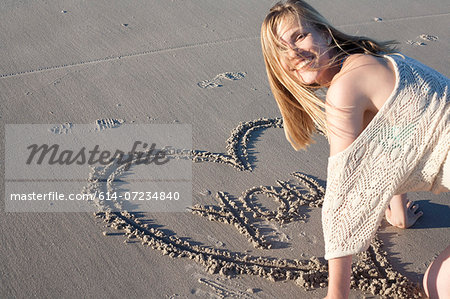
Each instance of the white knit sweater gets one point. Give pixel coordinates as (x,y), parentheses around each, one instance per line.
(401,150)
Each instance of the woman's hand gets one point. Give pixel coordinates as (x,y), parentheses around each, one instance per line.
(401,212)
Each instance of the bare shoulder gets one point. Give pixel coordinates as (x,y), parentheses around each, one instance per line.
(361,77)
(356,93)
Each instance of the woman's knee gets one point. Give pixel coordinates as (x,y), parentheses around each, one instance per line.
(437,277)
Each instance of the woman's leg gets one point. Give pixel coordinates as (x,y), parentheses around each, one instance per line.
(436,280)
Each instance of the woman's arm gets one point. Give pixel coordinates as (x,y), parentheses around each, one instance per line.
(339,274)
(345,120)
(345,126)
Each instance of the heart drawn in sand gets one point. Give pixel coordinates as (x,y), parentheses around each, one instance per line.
(372,272)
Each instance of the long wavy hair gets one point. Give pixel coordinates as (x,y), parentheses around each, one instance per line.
(302,110)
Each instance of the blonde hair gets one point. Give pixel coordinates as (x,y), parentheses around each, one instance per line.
(302,110)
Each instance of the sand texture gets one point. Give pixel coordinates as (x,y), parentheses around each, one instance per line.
(254,228)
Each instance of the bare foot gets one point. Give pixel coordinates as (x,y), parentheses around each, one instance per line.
(401,212)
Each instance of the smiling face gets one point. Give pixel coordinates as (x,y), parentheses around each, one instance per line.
(308,54)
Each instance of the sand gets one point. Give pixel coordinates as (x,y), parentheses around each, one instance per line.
(253,229)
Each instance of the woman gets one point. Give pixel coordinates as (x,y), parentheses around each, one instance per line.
(386,118)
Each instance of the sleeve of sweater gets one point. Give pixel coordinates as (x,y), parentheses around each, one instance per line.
(359,188)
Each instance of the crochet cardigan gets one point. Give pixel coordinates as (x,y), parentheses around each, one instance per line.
(401,150)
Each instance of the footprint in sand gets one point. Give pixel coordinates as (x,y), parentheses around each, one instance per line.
(64,128)
(427,37)
(415,43)
(108,123)
(216,242)
(102,124)
(217,80)
(225,291)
